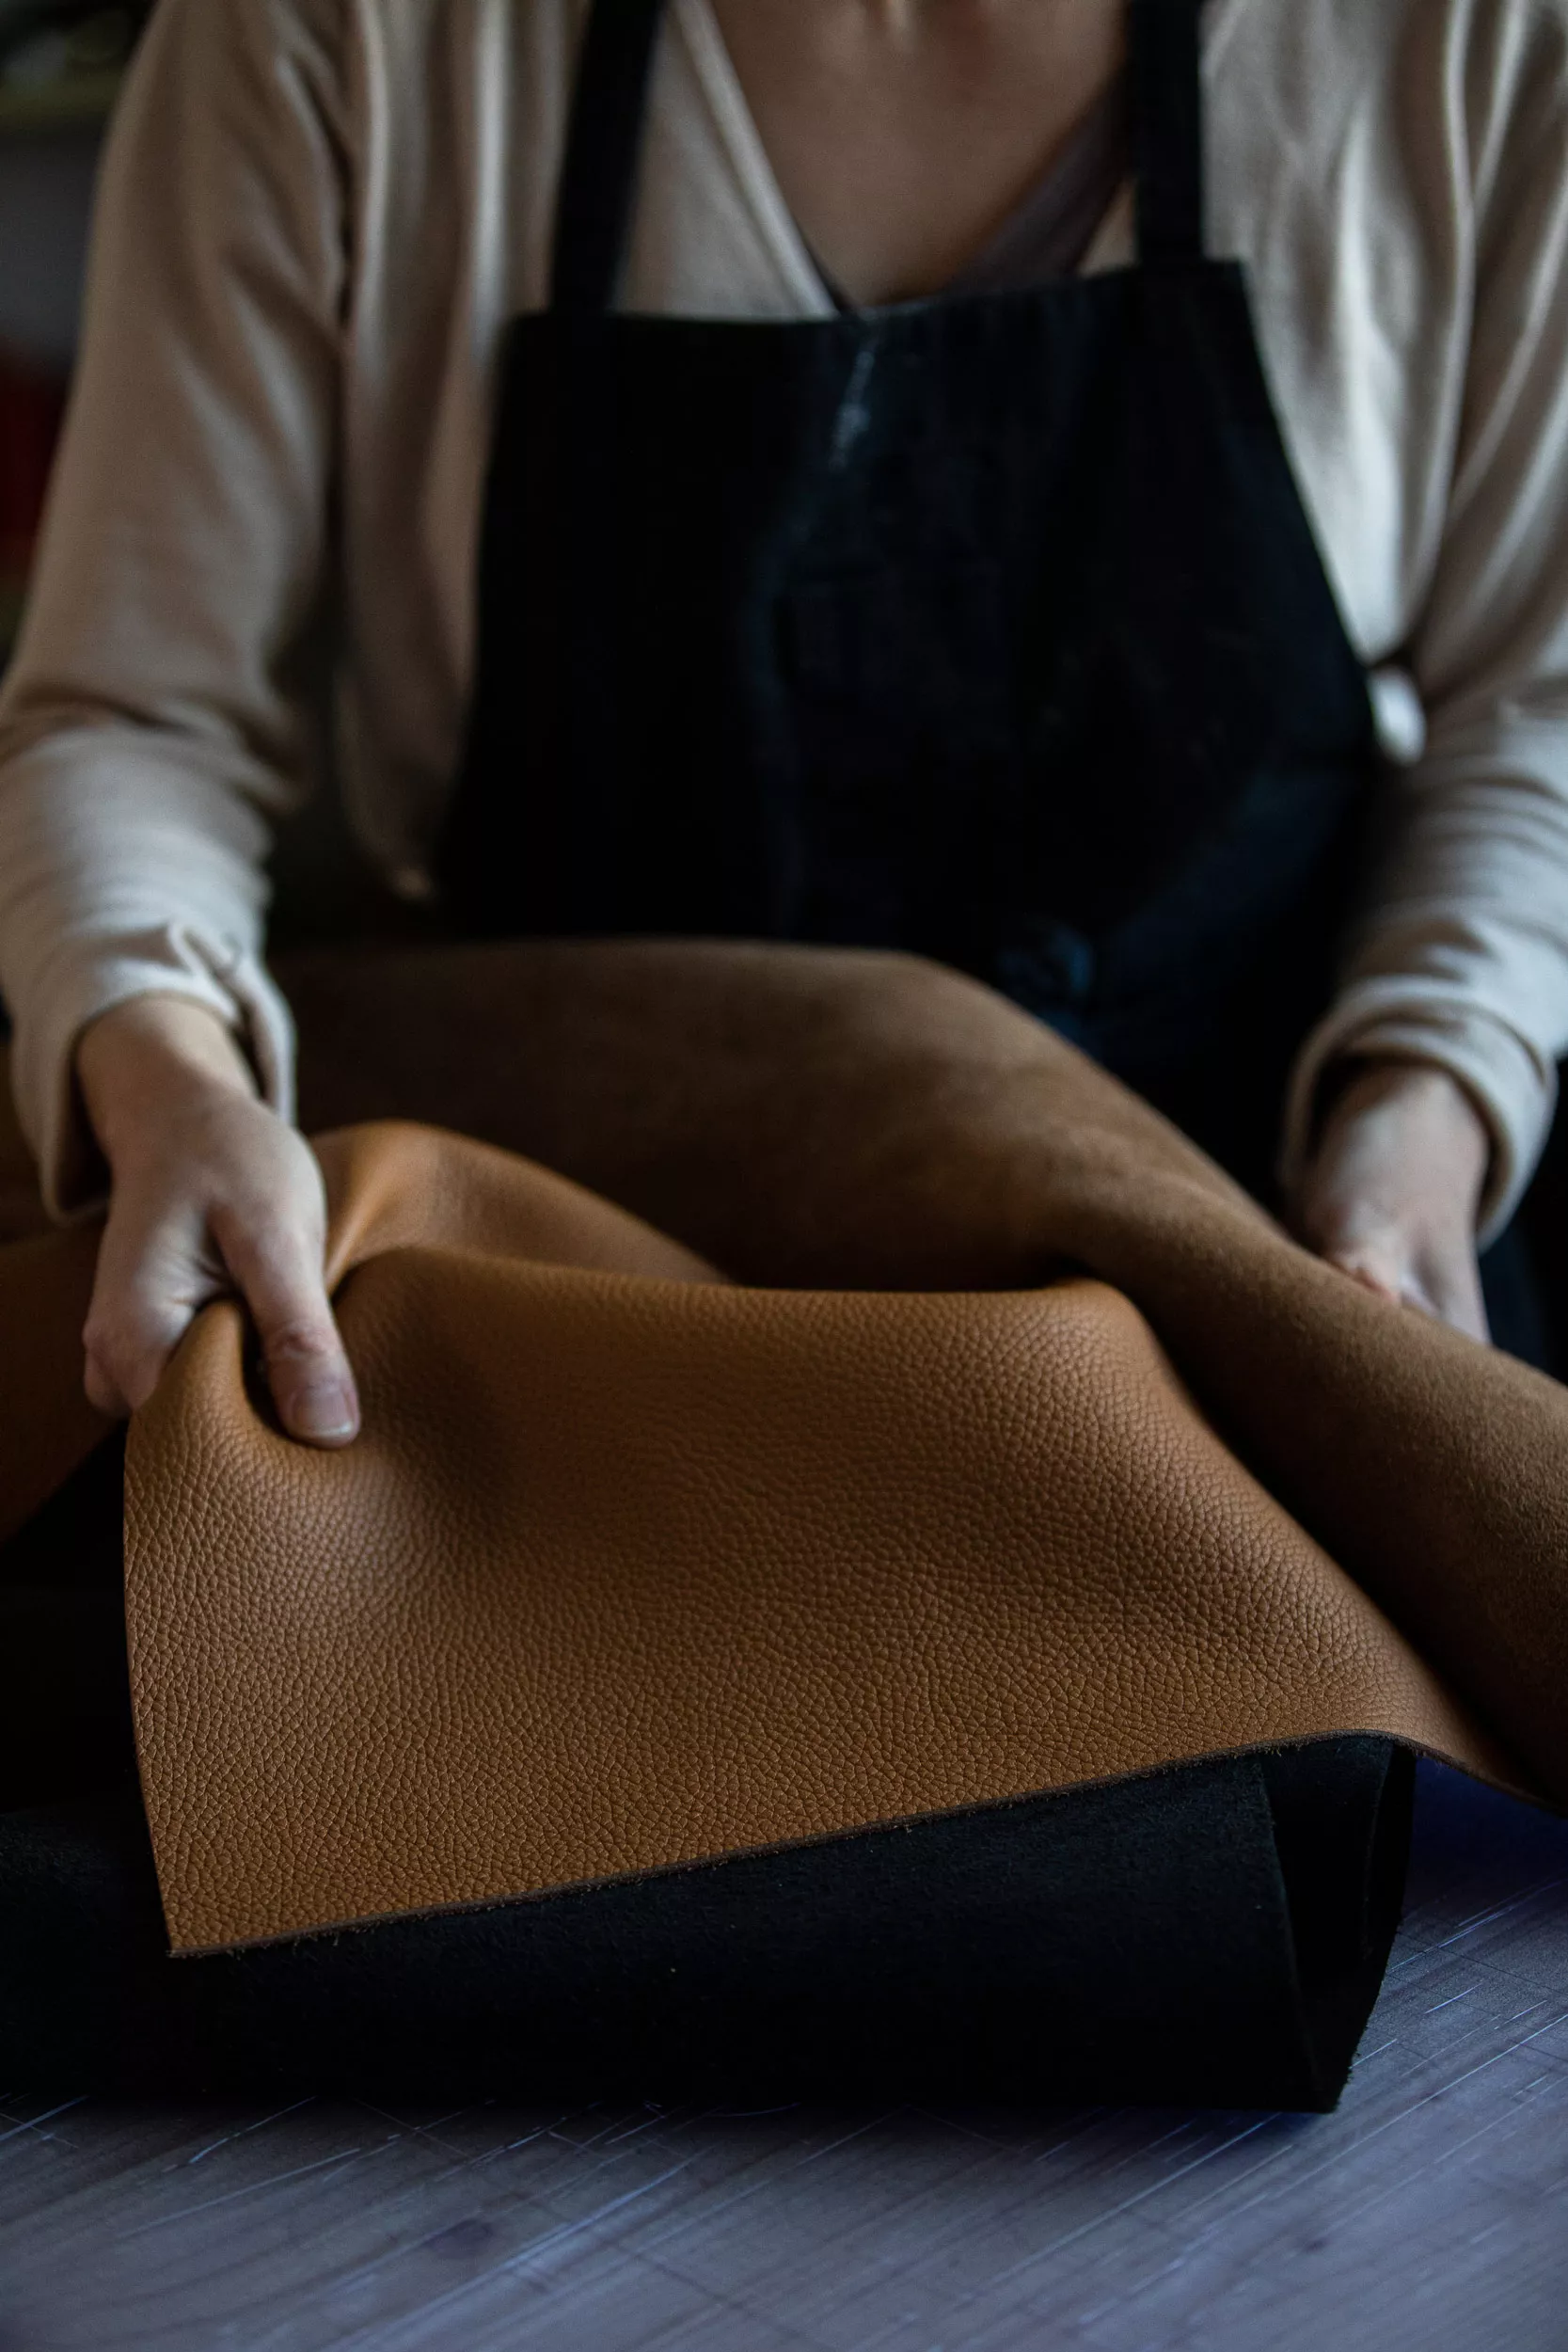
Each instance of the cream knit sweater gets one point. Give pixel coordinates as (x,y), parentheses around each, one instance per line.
(316,217)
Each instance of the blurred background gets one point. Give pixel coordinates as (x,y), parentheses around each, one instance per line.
(60,65)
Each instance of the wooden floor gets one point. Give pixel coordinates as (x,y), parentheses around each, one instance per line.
(1430,2212)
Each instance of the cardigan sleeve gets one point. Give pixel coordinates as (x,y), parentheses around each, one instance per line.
(163,705)
(1460,955)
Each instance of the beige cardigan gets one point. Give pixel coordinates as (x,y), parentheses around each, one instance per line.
(316,217)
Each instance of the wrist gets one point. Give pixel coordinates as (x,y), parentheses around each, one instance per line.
(1420,1104)
(144,1058)
(1369,1078)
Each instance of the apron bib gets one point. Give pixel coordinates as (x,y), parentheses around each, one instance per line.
(989,627)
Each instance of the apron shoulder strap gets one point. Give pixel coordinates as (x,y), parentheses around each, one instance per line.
(604,146)
(1166,88)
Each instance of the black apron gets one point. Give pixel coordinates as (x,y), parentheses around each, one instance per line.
(989,627)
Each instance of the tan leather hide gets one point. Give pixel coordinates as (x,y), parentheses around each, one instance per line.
(633,1566)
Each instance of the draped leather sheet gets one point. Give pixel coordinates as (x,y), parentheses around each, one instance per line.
(632,1567)
(635,1567)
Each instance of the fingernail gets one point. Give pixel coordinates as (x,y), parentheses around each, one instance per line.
(326,1412)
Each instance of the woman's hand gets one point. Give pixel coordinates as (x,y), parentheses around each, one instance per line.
(1392,1192)
(211,1193)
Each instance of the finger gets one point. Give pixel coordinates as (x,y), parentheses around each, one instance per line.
(1444,1285)
(1377,1270)
(126,1356)
(145,1293)
(277,1270)
(1451,1279)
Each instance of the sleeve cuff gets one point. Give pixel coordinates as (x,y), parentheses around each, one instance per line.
(1514,1090)
(171,961)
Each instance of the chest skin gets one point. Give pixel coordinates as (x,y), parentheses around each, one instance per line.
(902,133)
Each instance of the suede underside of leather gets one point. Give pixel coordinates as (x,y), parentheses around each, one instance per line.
(1156,1939)
(1209,1932)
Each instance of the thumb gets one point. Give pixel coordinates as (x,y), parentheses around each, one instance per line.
(279,1276)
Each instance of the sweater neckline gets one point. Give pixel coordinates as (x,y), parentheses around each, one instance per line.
(757,183)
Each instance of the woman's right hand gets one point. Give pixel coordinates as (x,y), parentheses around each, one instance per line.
(211,1193)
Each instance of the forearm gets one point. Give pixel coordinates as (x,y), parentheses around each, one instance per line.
(127,870)
(1420,1105)
(140,1060)
(1396,1008)
(160,711)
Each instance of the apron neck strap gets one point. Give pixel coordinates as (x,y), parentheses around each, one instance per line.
(604,142)
(604,148)
(1166,73)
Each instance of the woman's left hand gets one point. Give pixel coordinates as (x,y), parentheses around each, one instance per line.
(1392,1192)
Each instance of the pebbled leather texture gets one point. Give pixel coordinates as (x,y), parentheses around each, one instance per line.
(634,1568)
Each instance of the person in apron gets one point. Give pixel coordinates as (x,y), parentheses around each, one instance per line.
(989,627)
